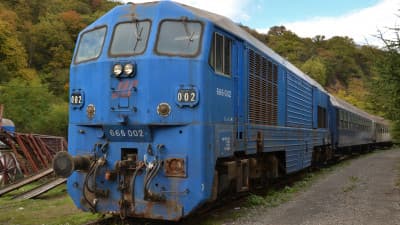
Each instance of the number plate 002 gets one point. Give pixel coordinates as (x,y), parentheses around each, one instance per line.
(77,99)
(188,96)
(127,133)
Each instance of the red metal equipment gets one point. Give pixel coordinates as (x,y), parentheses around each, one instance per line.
(24,155)
(32,153)
(9,169)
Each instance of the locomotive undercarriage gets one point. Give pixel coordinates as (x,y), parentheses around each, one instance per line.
(247,172)
(321,155)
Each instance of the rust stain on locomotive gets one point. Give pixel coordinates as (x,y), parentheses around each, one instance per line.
(175,167)
(174,210)
(124,89)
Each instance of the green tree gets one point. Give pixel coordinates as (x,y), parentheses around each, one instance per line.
(341,59)
(12,53)
(54,121)
(315,68)
(386,86)
(386,89)
(48,38)
(25,101)
(288,44)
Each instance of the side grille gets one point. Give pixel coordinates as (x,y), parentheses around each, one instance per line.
(263,90)
(298,102)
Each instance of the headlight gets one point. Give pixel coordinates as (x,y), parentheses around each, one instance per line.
(128,69)
(117,70)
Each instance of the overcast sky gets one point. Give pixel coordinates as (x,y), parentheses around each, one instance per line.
(358,19)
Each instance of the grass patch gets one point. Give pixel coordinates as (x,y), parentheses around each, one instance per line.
(398,175)
(276,197)
(352,185)
(51,208)
(255,200)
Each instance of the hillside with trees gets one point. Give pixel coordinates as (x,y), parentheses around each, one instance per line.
(37,38)
(365,76)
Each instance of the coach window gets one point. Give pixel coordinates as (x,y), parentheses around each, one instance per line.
(90,45)
(220,54)
(179,38)
(130,38)
(342,119)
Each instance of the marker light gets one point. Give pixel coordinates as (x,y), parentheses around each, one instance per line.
(163,109)
(117,70)
(128,69)
(90,111)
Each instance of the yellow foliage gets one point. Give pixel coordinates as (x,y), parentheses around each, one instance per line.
(28,74)
(355,94)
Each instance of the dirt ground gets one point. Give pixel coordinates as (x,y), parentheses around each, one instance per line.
(364,192)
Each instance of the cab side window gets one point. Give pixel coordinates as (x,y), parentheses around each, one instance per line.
(220,54)
(321,117)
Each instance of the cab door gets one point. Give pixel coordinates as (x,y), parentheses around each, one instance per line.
(238,59)
(227,100)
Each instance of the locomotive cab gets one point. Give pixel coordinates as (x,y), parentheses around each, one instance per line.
(139,138)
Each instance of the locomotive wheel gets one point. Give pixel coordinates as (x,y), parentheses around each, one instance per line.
(8,168)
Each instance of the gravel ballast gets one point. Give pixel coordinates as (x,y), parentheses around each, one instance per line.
(363,192)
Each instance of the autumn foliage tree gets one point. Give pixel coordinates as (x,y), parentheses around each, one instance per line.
(37,38)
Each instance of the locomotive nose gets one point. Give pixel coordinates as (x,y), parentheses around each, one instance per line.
(64,164)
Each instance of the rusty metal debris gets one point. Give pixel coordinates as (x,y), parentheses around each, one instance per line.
(41,189)
(25,181)
(33,152)
(26,158)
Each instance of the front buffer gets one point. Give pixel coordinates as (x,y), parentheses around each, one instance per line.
(157,177)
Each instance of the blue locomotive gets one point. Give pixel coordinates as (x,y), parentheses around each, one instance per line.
(172,106)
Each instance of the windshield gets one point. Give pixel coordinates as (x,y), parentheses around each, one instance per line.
(179,37)
(130,38)
(90,45)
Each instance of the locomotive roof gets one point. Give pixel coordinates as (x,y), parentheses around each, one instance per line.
(232,27)
(235,29)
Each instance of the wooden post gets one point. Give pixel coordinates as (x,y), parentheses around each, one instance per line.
(1,113)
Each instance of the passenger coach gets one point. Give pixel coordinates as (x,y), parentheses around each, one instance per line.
(172,106)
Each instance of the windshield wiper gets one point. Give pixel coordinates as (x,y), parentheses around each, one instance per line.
(138,35)
(189,35)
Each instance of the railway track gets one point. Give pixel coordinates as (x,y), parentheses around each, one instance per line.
(229,202)
(40,189)
(26,181)
(34,192)
(225,203)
